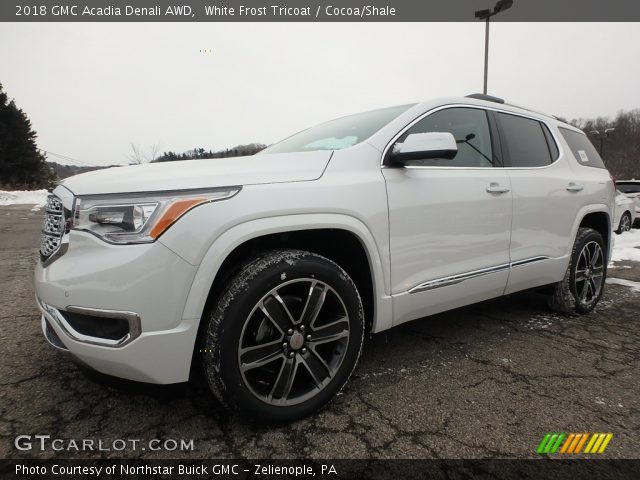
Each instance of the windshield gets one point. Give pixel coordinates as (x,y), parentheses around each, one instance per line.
(339,133)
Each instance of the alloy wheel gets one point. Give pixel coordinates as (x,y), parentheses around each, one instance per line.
(293,342)
(589,273)
(625,223)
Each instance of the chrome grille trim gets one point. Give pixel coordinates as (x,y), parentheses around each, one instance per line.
(52,224)
(54,205)
(54,228)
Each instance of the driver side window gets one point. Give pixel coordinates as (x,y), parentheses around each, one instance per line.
(470,128)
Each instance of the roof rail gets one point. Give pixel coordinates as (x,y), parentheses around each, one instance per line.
(490,98)
(487,98)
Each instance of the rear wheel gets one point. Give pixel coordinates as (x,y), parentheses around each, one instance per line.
(583,284)
(284,337)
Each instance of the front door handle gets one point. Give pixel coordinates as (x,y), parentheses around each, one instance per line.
(495,187)
(574,187)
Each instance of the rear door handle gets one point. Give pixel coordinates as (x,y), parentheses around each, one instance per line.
(574,187)
(495,187)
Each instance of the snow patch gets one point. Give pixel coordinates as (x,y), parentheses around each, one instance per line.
(604,401)
(538,322)
(627,246)
(24,197)
(634,286)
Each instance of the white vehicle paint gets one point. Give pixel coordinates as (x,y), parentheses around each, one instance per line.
(624,212)
(433,234)
(631,188)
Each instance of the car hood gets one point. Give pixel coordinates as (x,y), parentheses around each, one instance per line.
(215,172)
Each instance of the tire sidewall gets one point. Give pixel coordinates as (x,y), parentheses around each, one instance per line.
(588,236)
(229,329)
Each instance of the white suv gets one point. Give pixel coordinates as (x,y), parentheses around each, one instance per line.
(268,270)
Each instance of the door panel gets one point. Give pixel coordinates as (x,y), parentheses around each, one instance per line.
(544,202)
(449,220)
(544,212)
(443,222)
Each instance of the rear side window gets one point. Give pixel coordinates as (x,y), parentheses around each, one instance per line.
(524,140)
(582,149)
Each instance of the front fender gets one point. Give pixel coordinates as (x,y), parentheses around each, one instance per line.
(241,233)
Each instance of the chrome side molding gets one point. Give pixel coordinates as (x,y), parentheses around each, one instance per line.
(527,261)
(461,277)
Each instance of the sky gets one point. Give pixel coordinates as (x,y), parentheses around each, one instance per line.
(92,89)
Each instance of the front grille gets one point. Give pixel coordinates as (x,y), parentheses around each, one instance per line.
(54,226)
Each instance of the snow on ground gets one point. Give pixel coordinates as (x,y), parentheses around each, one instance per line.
(634,286)
(627,246)
(37,198)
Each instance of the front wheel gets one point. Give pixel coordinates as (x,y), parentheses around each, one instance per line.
(284,337)
(583,283)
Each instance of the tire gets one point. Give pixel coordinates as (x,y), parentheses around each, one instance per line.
(587,270)
(280,364)
(625,223)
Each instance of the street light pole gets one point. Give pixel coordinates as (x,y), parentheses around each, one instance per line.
(486,56)
(486,16)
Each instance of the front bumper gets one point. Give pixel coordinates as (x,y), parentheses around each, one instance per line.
(147,285)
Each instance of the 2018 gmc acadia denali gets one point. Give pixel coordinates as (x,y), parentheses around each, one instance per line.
(268,270)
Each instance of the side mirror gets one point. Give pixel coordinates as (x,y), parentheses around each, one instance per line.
(422,146)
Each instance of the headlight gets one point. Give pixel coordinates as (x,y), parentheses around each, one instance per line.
(139,218)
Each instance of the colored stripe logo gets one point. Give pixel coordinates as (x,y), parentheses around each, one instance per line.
(573,443)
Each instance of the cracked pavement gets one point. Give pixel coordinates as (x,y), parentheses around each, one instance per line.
(482,381)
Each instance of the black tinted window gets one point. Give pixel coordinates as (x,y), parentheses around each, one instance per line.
(628,187)
(582,149)
(470,128)
(524,141)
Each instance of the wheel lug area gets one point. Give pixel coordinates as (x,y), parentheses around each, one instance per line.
(304,350)
(290,331)
(308,337)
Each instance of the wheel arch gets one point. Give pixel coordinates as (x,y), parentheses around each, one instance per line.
(597,217)
(298,231)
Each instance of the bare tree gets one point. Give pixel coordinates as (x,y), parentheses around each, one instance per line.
(138,156)
(135,157)
(153,152)
(620,150)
